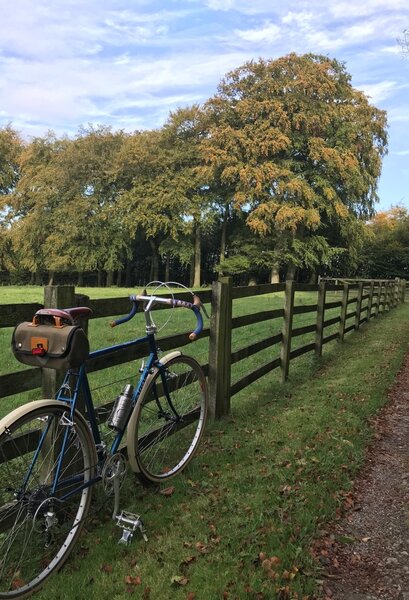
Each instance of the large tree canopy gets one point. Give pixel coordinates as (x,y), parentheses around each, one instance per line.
(300,145)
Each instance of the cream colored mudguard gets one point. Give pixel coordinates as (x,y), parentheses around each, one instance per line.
(132,421)
(21,411)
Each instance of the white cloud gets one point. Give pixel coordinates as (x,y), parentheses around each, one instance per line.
(378,92)
(267,32)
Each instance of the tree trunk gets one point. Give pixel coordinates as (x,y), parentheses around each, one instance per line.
(80,279)
(223,238)
(38,278)
(51,277)
(198,248)
(100,278)
(275,273)
(291,271)
(128,274)
(154,274)
(313,277)
(110,278)
(167,268)
(192,271)
(119,277)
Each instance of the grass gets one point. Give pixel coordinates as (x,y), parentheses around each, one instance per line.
(240,522)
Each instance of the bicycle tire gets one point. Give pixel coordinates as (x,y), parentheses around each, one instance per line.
(160,445)
(37,529)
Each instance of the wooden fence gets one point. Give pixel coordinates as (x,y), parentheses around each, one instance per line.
(370,298)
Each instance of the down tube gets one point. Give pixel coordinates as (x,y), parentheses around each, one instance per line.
(150,362)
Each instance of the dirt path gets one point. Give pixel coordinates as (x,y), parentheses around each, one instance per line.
(367,554)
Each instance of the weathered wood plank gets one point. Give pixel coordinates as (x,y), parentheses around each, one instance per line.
(332,321)
(359,305)
(258,317)
(302,350)
(12,314)
(254,348)
(287,328)
(303,309)
(220,348)
(307,287)
(117,357)
(20,381)
(370,301)
(303,330)
(254,375)
(343,316)
(257,290)
(320,317)
(329,338)
(336,304)
(350,328)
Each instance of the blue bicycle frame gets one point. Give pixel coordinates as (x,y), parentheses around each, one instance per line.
(82,385)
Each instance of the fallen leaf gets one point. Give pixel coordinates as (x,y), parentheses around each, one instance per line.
(191,596)
(16,584)
(179,580)
(107,568)
(167,491)
(129,580)
(188,560)
(203,549)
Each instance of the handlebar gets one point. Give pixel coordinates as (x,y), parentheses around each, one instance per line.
(195,306)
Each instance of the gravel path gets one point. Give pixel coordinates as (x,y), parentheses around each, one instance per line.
(367,554)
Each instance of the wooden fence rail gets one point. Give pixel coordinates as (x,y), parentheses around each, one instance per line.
(369,299)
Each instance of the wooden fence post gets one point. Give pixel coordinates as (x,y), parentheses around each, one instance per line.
(55,296)
(396,291)
(378,304)
(370,301)
(344,309)
(287,328)
(387,296)
(358,308)
(220,347)
(320,317)
(403,283)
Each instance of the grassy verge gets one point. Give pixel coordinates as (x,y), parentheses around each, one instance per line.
(240,522)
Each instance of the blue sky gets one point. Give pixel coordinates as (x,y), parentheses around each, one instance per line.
(64,63)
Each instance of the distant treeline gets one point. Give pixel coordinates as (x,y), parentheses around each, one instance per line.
(274,176)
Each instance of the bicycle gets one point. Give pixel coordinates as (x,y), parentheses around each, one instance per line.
(51,455)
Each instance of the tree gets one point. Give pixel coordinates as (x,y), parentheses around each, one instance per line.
(33,201)
(63,204)
(300,147)
(88,187)
(11,146)
(165,193)
(386,251)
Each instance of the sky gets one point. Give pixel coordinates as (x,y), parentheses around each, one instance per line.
(127,64)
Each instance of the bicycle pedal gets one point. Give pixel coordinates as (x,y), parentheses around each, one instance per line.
(129,522)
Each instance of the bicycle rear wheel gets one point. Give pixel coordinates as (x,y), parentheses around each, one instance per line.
(38,527)
(169,419)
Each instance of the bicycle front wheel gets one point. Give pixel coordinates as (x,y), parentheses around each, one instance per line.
(169,419)
(43,502)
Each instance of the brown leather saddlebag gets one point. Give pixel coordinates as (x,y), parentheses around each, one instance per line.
(45,345)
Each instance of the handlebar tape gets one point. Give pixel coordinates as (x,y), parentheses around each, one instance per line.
(128,317)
